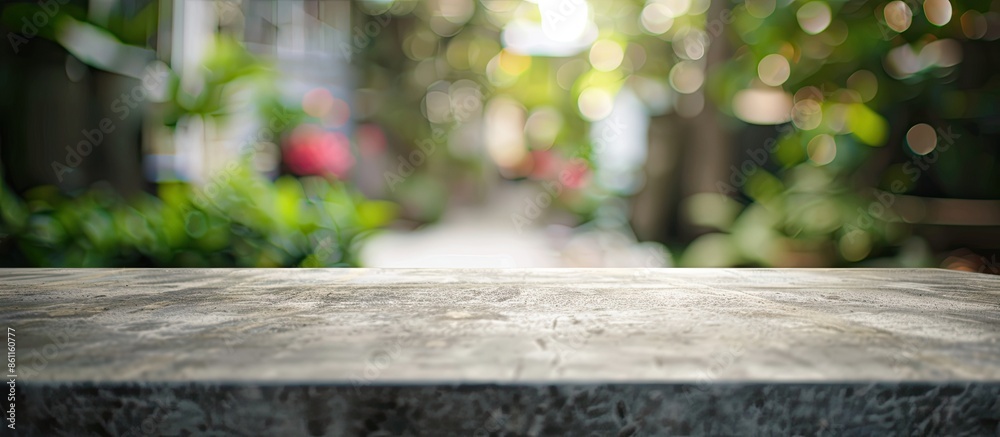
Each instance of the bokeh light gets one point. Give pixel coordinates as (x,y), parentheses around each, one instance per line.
(921,138)
(317,102)
(865,83)
(595,103)
(763,105)
(504,133)
(513,63)
(760,8)
(690,43)
(448,103)
(938,12)
(807,114)
(855,245)
(606,55)
(656,18)
(773,70)
(822,149)
(686,77)
(814,17)
(677,8)
(543,126)
(974,25)
(898,16)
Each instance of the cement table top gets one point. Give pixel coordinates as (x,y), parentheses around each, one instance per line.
(372,326)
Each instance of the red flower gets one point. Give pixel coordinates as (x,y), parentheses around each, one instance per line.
(314,151)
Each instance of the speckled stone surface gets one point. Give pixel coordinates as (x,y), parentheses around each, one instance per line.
(504,352)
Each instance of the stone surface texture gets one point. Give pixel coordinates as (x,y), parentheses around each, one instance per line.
(505,352)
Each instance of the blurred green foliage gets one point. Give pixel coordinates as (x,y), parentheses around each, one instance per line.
(860,79)
(239,219)
(856,77)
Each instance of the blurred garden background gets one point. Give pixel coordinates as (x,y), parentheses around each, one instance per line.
(500,133)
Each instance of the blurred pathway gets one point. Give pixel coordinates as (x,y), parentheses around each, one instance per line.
(486,237)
